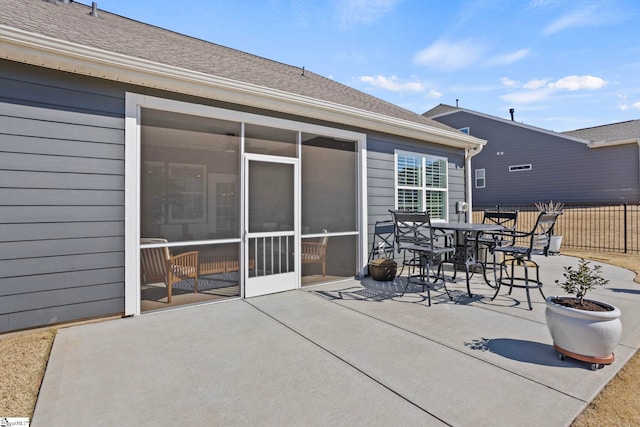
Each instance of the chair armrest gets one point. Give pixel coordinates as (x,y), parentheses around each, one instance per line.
(509,233)
(185,259)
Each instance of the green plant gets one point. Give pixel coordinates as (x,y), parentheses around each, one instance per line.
(581,280)
(549,207)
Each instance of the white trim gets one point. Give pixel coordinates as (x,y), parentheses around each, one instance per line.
(363,197)
(602,144)
(468,156)
(483,178)
(131,205)
(133,105)
(424,187)
(255,286)
(36,49)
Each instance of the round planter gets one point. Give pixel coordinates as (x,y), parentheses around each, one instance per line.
(585,335)
(383,269)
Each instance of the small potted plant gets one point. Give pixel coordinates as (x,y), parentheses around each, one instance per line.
(583,329)
(555,241)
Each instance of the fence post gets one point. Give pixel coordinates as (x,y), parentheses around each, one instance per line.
(625,228)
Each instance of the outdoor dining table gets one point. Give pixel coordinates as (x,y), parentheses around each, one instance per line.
(465,242)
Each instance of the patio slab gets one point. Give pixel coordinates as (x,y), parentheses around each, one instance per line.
(348,353)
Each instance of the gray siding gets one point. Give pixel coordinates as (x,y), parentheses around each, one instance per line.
(62,192)
(562,169)
(380,175)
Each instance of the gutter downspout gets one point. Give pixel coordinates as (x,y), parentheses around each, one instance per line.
(468,154)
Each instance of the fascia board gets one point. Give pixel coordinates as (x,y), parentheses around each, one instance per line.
(601,144)
(44,51)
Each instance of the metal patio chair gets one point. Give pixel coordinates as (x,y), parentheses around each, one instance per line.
(487,243)
(417,240)
(383,244)
(538,243)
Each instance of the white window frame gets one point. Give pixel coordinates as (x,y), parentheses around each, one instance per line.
(423,188)
(520,168)
(481,176)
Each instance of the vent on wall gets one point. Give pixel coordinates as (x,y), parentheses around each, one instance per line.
(518,168)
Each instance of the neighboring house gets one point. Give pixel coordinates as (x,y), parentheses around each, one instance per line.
(132,155)
(523,164)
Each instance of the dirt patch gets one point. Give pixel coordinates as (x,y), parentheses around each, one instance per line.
(585,305)
(619,403)
(628,261)
(23,359)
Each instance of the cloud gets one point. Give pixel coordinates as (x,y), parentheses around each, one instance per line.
(450,56)
(393,84)
(352,13)
(535,84)
(625,107)
(576,18)
(434,94)
(573,83)
(507,82)
(508,58)
(540,89)
(595,14)
(540,4)
(527,97)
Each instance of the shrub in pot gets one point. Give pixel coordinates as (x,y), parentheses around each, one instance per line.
(583,329)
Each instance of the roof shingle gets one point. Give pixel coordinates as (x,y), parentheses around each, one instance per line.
(610,132)
(117,34)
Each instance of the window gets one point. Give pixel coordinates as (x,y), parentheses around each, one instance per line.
(422,184)
(465,130)
(518,168)
(480,178)
(187,201)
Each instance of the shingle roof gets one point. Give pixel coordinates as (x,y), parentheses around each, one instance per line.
(440,109)
(117,34)
(611,132)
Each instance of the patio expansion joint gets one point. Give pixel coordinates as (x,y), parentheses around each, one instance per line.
(341,359)
(456,349)
(510,315)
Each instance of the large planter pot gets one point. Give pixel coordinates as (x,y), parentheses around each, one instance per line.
(590,336)
(554,244)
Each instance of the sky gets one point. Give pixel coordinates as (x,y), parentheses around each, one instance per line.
(561,64)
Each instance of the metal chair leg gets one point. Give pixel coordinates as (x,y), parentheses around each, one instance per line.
(527,281)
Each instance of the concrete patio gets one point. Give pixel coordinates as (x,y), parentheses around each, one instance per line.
(349,353)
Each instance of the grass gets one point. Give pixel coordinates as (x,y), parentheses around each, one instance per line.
(23,359)
(619,402)
(24,356)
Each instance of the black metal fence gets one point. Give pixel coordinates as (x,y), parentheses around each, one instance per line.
(585,226)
